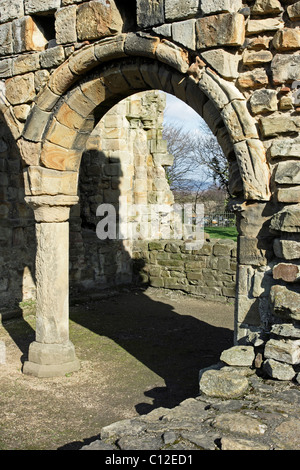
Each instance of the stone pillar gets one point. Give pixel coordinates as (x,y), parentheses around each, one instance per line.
(52,353)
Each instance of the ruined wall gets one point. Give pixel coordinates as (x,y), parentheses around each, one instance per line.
(65,63)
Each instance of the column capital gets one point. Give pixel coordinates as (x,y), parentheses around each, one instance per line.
(51,208)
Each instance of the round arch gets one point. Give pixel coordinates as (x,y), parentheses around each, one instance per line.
(97,76)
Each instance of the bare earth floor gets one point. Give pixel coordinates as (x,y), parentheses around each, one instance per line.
(139,350)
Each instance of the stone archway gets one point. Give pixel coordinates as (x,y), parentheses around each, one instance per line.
(78,94)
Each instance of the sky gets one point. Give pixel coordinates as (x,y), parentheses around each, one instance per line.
(180,114)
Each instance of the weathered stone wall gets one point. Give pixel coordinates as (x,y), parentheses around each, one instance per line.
(65,63)
(208,272)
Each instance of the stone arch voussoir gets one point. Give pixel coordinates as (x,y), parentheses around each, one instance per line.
(104,72)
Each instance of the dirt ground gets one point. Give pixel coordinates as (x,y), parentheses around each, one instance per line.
(138,350)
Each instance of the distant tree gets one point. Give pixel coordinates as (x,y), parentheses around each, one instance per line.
(199,164)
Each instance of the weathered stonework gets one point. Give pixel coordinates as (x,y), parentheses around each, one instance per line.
(64,64)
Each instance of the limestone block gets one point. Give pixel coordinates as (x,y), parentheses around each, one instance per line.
(285,68)
(288,272)
(265,7)
(149,13)
(287,39)
(21,112)
(224,62)
(287,249)
(38,6)
(28,36)
(209,7)
(98,19)
(288,195)
(256,78)
(6,42)
(178,10)
(287,220)
(65,25)
(20,89)
(287,330)
(288,172)
(10,10)
(263,101)
(225,29)
(294,11)
(263,25)
(283,350)
(184,33)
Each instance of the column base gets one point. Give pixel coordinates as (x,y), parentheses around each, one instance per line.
(51,360)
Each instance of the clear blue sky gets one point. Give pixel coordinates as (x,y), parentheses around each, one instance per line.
(180,115)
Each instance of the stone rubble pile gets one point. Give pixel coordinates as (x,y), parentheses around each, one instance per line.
(236,410)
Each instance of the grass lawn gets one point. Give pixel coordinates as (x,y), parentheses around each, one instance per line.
(222,232)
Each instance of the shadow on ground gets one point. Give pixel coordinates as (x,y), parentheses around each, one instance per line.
(139,350)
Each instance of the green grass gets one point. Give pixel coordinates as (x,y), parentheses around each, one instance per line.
(222,232)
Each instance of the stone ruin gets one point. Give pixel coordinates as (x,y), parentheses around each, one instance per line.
(65,63)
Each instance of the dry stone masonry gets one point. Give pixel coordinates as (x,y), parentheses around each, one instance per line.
(64,64)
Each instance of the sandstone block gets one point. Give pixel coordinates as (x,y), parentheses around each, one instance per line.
(10,10)
(287,220)
(288,172)
(52,182)
(175,57)
(285,148)
(283,350)
(274,125)
(98,19)
(184,33)
(58,158)
(285,68)
(288,195)
(6,67)
(287,39)
(238,356)
(286,330)
(6,42)
(285,304)
(209,7)
(20,89)
(26,63)
(141,44)
(250,252)
(65,25)
(294,11)
(225,29)
(28,36)
(257,57)
(223,384)
(278,370)
(265,7)
(149,13)
(263,101)
(35,125)
(61,79)
(178,10)
(37,6)
(224,62)
(110,48)
(52,57)
(263,25)
(287,272)
(83,60)
(256,78)
(287,249)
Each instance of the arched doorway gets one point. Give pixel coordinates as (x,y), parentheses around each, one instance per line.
(77,96)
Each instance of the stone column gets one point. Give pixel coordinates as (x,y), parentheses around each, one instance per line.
(52,353)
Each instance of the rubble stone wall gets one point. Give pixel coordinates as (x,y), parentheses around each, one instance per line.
(64,63)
